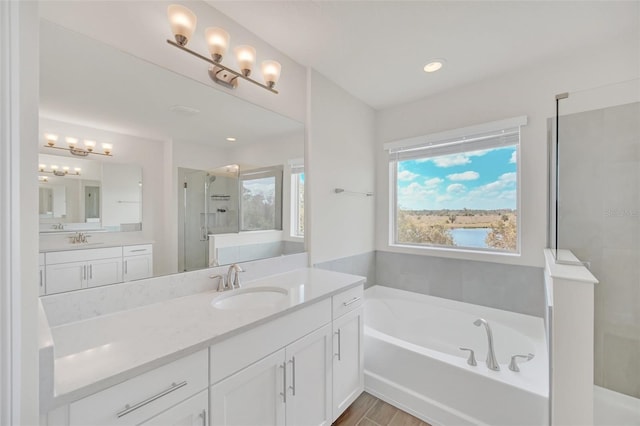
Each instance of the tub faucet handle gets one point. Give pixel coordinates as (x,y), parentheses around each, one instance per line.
(513,365)
(472,357)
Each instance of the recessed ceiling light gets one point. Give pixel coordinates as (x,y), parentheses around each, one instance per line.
(434,65)
(231,139)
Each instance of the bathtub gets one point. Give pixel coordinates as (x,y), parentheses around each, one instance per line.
(413,361)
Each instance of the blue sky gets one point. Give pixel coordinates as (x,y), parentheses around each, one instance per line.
(483,179)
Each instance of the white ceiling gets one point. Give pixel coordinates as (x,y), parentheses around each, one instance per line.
(376,49)
(85,82)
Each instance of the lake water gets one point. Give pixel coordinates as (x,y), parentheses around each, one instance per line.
(470,237)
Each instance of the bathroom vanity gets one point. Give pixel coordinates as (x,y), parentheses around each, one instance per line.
(82,266)
(284,350)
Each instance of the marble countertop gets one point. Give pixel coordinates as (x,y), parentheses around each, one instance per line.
(100,352)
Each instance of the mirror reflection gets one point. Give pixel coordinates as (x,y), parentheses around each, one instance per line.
(223,178)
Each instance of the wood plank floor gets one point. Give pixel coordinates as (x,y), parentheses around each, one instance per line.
(368,410)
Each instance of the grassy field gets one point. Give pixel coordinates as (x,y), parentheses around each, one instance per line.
(455,219)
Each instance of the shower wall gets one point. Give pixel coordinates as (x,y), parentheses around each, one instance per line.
(599,221)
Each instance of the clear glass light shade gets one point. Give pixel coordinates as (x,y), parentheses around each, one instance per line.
(54,167)
(77,169)
(107,147)
(41,167)
(183,23)
(72,142)
(90,145)
(271,72)
(218,42)
(246,57)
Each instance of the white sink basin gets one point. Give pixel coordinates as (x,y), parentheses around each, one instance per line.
(251,298)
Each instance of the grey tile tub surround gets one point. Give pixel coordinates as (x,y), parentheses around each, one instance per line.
(363,264)
(508,287)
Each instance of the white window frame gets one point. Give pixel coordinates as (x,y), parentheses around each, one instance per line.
(296,168)
(446,143)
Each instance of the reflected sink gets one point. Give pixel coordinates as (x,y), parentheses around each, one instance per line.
(250,298)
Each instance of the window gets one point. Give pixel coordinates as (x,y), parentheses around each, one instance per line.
(458,189)
(261,199)
(297,199)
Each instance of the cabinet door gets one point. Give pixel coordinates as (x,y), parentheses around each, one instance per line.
(65,276)
(253,396)
(309,379)
(104,271)
(138,267)
(192,412)
(348,360)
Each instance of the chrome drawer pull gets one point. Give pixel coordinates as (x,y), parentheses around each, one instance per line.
(131,251)
(352,301)
(293,376)
(130,408)
(339,354)
(203,416)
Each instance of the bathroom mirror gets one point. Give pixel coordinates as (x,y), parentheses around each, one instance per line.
(82,195)
(165,124)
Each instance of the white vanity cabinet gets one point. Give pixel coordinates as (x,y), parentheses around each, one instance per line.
(76,269)
(137,262)
(281,372)
(348,350)
(192,412)
(148,396)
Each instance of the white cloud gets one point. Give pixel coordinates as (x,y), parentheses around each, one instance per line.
(468,175)
(514,158)
(509,177)
(444,198)
(451,160)
(456,188)
(493,189)
(433,182)
(407,175)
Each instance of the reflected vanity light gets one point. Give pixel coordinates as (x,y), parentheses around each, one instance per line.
(55,170)
(183,23)
(73,147)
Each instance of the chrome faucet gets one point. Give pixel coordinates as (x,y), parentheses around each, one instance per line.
(233,276)
(222,286)
(79,237)
(492,363)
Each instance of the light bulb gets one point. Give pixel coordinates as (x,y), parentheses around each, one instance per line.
(41,167)
(107,147)
(77,170)
(54,167)
(65,169)
(71,142)
(89,145)
(271,72)
(218,42)
(246,57)
(51,139)
(183,23)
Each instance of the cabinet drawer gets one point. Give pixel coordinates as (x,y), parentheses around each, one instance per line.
(144,396)
(82,255)
(347,301)
(137,250)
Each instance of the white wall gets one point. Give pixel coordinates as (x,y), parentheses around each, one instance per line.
(340,154)
(19,207)
(142,28)
(528,92)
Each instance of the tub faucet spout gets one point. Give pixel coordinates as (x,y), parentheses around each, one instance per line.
(492,363)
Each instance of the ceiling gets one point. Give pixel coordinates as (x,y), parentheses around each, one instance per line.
(88,83)
(376,50)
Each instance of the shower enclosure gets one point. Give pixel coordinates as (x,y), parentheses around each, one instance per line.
(208,204)
(595,213)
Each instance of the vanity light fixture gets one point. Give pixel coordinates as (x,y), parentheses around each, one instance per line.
(231,139)
(183,23)
(55,170)
(74,148)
